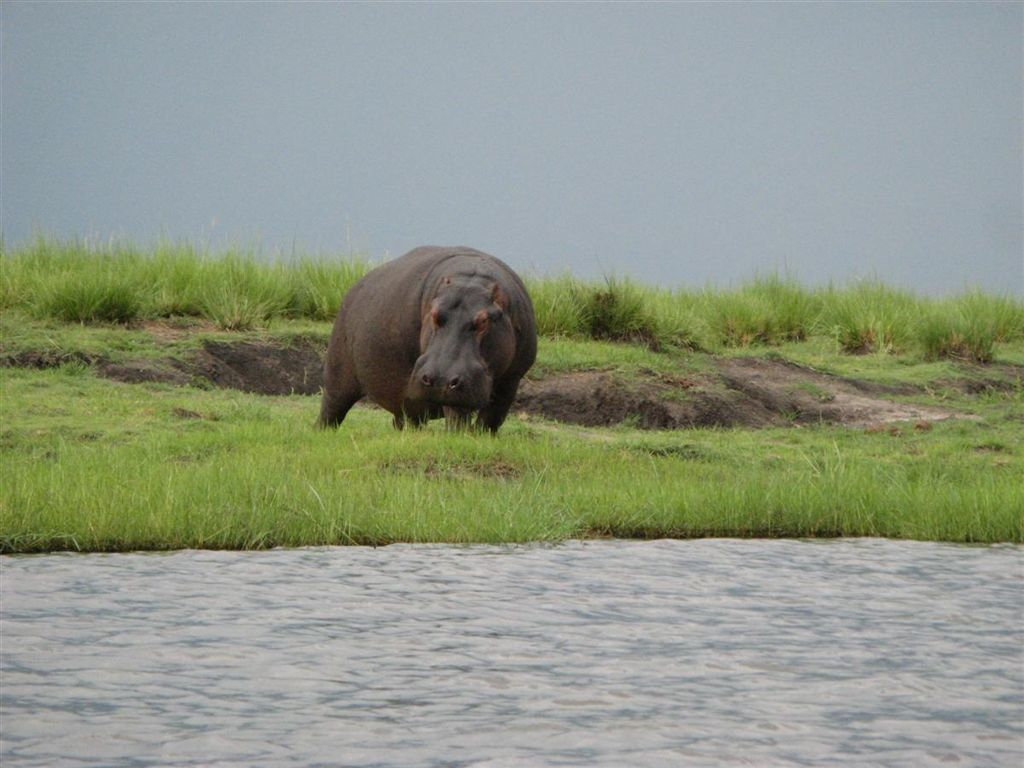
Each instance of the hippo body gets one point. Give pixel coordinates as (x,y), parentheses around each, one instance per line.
(437,332)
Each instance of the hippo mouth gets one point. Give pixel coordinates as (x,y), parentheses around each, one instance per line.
(459,400)
(467,396)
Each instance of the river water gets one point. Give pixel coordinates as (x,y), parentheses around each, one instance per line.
(713,652)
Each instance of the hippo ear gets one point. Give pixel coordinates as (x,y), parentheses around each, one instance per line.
(499,297)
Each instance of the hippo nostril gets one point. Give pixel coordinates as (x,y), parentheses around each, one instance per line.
(454,382)
(428,381)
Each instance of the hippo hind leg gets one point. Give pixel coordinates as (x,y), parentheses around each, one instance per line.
(334,407)
(341,392)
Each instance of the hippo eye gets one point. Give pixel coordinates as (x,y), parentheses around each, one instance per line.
(479,323)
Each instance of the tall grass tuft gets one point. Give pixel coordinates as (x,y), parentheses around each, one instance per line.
(319,285)
(965,328)
(91,297)
(870,317)
(738,318)
(795,310)
(1001,314)
(176,273)
(51,279)
(769,310)
(678,316)
(25,272)
(76,281)
(617,311)
(239,293)
(614,310)
(559,304)
(116,282)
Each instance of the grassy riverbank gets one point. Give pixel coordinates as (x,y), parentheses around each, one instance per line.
(73,282)
(91,462)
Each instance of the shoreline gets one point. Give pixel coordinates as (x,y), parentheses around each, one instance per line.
(93,463)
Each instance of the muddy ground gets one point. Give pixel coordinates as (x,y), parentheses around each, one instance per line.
(744,392)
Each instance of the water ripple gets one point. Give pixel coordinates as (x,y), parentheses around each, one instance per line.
(670,653)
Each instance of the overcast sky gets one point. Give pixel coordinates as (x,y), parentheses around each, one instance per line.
(681,144)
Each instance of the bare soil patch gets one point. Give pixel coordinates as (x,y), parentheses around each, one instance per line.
(176,328)
(261,367)
(603,398)
(745,392)
(740,392)
(46,358)
(165,371)
(979,380)
(805,396)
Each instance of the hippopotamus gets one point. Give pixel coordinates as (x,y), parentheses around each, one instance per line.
(440,331)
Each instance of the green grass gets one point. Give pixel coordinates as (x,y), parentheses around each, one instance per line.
(93,297)
(769,310)
(559,354)
(237,289)
(91,464)
(558,304)
(969,327)
(871,317)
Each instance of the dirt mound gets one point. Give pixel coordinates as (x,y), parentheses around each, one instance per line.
(601,399)
(740,392)
(251,366)
(166,371)
(802,395)
(266,369)
(744,392)
(979,380)
(47,358)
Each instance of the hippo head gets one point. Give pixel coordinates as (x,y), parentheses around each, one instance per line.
(466,340)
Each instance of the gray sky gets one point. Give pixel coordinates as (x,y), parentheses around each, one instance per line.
(680,144)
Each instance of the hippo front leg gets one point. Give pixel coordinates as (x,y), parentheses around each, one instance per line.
(493,415)
(457,419)
(413,415)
